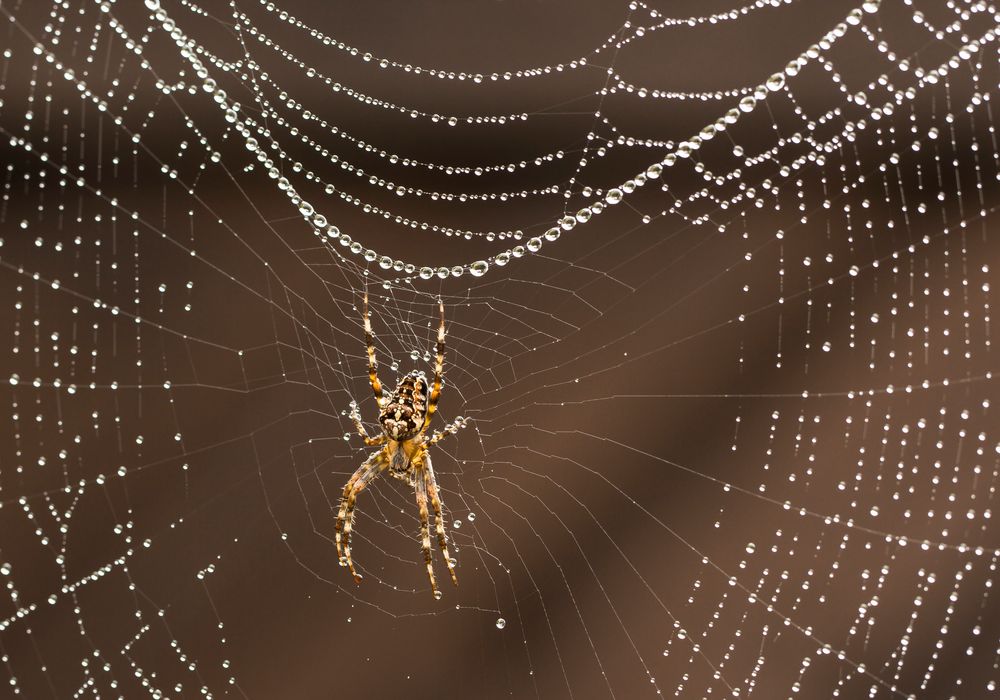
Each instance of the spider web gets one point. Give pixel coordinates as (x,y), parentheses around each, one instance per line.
(718,308)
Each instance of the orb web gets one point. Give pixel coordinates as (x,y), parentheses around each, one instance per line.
(719,347)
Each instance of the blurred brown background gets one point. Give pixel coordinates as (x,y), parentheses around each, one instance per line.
(702,459)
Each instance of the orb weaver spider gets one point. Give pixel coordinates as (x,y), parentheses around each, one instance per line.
(404,416)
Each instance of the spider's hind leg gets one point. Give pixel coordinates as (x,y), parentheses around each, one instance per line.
(345,518)
(420,486)
(433,494)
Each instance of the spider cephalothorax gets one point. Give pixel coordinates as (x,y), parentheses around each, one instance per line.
(405,417)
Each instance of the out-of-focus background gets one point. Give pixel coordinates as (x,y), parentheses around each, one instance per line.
(728,434)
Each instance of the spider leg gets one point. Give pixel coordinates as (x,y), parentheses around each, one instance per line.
(345,518)
(432,492)
(449,429)
(435,394)
(370,441)
(372,363)
(420,486)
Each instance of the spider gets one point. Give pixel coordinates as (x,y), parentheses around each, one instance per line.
(404,417)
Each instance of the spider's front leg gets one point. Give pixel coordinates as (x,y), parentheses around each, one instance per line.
(435,395)
(370,441)
(372,362)
(345,518)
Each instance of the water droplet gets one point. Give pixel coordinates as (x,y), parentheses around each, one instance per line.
(501,623)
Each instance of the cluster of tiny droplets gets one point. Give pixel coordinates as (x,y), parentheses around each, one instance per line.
(963,292)
(629,32)
(477,268)
(480,267)
(247,127)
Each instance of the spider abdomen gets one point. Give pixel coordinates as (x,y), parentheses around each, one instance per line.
(403,415)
